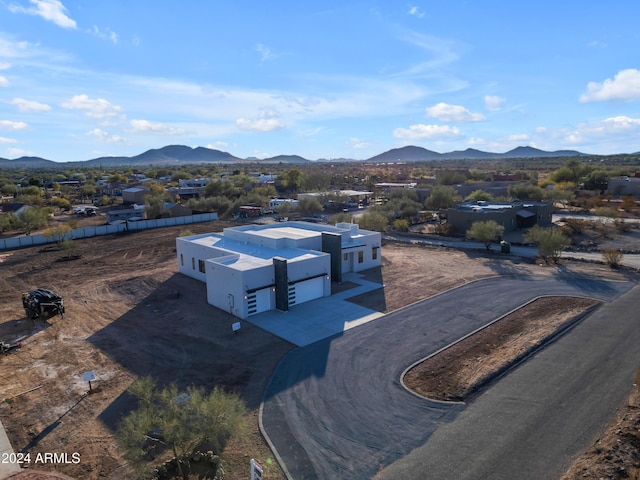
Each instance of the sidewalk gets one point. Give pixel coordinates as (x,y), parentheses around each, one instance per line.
(6,469)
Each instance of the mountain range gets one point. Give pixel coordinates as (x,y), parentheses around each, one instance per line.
(180,154)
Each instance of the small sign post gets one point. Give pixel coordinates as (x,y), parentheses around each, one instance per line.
(89,377)
(256,470)
(235,327)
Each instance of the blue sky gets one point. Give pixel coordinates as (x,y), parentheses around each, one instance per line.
(81,79)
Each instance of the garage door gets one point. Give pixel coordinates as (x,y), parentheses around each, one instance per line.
(259,301)
(306,290)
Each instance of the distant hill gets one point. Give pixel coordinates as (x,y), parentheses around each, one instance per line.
(285,159)
(181,154)
(406,154)
(416,154)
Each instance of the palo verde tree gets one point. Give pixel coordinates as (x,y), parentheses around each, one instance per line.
(485,232)
(184,423)
(550,241)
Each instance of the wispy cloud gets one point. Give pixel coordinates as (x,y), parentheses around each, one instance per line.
(358,143)
(624,86)
(103,136)
(105,34)
(421,131)
(453,113)
(260,125)
(10,125)
(51,10)
(416,12)
(30,106)
(3,81)
(265,53)
(156,128)
(7,141)
(493,103)
(94,108)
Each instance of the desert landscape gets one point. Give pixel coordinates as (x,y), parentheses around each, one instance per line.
(129,313)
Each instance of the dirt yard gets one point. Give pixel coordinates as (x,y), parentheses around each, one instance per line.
(129,313)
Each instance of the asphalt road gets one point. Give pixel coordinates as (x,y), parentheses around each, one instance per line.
(336,409)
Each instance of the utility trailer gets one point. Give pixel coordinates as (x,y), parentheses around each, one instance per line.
(42,303)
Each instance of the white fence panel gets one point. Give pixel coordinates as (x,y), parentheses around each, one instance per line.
(87,232)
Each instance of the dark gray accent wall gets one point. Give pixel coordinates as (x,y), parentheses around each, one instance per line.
(332,244)
(281,283)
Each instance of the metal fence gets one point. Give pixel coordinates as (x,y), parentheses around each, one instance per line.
(86,232)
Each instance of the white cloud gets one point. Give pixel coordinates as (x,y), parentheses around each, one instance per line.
(29,106)
(103,136)
(155,128)
(260,125)
(105,35)
(6,141)
(9,125)
(416,132)
(518,137)
(453,113)
(624,86)
(3,81)
(265,53)
(93,108)
(359,143)
(415,11)
(50,10)
(4,65)
(218,145)
(18,152)
(493,103)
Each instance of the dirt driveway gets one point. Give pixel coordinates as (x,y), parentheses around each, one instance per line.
(129,313)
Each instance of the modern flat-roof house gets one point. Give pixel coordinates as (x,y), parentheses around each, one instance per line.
(256,268)
(512,216)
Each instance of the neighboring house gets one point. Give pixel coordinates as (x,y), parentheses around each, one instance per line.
(622,186)
(177,210)
(512,216)
(15,208)
(354,197)
(135,195)
(277,202)
(256,268)
(133,214)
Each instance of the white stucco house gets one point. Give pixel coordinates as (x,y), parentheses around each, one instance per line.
(255,268)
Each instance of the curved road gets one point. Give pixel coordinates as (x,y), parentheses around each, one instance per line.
(336,409)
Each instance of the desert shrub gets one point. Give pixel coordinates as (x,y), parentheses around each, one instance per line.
(445,229)
(622,226)
(401,225)
(613,258)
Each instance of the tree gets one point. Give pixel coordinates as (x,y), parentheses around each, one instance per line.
(57,233)
(485,232)
(183,422)
(526,192)
(441,197)
(479,196)
(32,218)
(309,206)
(373,221)
(550,241)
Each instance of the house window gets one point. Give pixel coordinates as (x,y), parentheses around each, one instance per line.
(345,256)
(182,260)
(193,263)
(360,257)
(374,253)
(201,266)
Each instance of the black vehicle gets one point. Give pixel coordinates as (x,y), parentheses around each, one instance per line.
(42,303)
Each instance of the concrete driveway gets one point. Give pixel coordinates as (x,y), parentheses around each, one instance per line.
(336,409)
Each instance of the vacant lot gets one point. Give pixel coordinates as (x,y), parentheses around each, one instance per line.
(125,319)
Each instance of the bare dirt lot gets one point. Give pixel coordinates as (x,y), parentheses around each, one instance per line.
(129,313)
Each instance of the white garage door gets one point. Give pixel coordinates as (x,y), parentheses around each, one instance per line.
(259,301)
(307,290)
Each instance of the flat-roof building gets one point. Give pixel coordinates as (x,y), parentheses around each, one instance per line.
(512,216)
(256,268)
